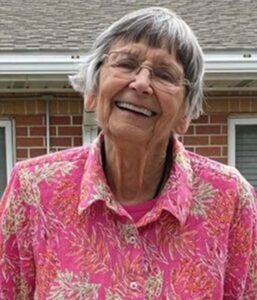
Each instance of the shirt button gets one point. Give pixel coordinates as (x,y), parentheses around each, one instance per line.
(132,240)
(133,285)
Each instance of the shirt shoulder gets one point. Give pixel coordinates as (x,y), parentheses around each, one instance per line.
(71,155)
(205,167)
(222,177)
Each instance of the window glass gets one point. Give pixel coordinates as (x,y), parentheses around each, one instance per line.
(3,163)
(246,152)
(6,153)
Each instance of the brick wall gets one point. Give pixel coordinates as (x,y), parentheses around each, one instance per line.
(206,136)
(30,125)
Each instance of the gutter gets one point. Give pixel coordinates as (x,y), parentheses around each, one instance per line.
(218,61)
(68,62)
(39,63)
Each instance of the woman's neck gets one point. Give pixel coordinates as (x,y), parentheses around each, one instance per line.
(134,172)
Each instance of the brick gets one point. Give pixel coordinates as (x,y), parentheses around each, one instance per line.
(59,120)
(218,140)
(63,107)
(208,129)
(68,130)
(40,107)
(77,120)
(209,151)
(245,105)
(234,106)
(54,108)
(219,119)
(59,149)
(37,152)
(217,105)
(53,131)
(225,151)
(21,131)
(254,105)
(31,107)
(9,107)
(37,131)
(1,108)
(77,141)
(202,119)
(29,142)
(76,107)
(196,140)
(21,153)
(29,120)
(61,142)
(191,129)
(20,107)
(224,129)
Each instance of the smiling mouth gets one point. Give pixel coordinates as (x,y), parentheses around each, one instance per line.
(135,109)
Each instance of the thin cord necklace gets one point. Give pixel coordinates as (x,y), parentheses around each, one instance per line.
(166,167)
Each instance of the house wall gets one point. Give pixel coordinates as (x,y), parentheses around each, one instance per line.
(30,125)
(206,136)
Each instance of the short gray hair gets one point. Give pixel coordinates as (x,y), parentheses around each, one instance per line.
(157,27)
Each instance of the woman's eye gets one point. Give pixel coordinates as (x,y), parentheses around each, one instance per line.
(165,75)
(127,64)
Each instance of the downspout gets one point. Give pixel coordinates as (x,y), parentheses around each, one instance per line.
(47,99)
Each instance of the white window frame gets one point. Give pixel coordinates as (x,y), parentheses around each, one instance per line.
(90,127)
(232,122)
(9,145)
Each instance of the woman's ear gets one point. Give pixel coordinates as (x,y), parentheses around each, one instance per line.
(89,101)
(182,125)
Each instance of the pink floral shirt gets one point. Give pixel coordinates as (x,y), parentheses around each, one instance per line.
(63,235)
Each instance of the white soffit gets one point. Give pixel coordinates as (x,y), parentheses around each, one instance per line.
(236,62)
(13,63)
(24,62)
(47,71)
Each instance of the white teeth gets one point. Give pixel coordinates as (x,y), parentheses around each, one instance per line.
(129,106)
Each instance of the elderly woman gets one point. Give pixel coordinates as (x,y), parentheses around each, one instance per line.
(134,215)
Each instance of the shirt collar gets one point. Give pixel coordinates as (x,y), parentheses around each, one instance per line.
(176,196)
(94,186)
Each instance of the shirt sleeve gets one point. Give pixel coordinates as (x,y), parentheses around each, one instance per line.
(17,272)
(251,282)
(241,269)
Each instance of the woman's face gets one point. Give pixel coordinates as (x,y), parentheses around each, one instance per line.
(143,105)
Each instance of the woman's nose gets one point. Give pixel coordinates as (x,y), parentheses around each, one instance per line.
(141,82)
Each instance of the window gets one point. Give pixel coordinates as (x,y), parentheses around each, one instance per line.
(6,152)
(243,147)
(90,128)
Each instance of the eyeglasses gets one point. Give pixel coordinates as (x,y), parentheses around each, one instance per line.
(164,77)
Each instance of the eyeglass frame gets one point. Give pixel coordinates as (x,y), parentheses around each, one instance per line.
(181,82)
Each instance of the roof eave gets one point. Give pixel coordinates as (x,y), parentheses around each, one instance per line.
(13,63)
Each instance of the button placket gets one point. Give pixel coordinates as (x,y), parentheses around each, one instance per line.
(129,233)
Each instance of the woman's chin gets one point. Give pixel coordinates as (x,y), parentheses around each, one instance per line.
(129,133)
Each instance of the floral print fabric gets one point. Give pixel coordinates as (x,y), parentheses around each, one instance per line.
(63,235)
